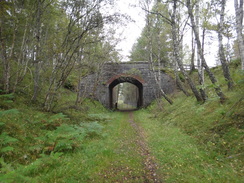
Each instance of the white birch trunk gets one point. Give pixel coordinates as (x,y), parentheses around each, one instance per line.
(150,52)
(37,52)
(200,52)
(176,46)
(222,56)
(239,27)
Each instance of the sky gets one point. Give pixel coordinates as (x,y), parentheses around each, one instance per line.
(132,30)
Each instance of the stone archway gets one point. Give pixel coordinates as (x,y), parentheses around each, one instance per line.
(98,85)
(135,80)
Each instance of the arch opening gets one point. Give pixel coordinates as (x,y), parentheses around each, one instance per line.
(125,93)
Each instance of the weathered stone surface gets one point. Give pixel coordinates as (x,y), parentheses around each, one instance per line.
(99,85)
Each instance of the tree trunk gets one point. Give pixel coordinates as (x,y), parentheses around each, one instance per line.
(199,63)
(222,57)
(178,81)
(37,52)
(150,53)
(192,54)
(21,67)
(239,27)
(5,60)
(159,53)
(177,57)
(200,52)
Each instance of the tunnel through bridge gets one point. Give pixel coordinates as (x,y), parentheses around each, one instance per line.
(135,102)
(100,85)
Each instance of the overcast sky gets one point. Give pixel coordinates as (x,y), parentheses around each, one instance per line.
(133,29)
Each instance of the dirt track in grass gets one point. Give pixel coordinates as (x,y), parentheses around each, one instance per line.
(132,161)
(150,167)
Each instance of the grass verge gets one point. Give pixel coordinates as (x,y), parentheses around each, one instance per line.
(197,143)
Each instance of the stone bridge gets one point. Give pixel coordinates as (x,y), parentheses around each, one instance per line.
(100,85)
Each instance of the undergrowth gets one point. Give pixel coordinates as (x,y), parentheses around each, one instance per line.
(33,141)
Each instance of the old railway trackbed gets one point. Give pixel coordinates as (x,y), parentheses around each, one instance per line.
(150,167)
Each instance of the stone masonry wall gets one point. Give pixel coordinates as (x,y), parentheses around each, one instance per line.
(97,85)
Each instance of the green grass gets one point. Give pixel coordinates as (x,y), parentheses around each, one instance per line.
(191,142)
(198,142)
(110,158)
(178,146)
(183,156)
(110,154)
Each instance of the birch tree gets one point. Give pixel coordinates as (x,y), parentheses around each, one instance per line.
(157,75)
(199,62)
(85,21)
(37,52)
(239,28)
(176,41)
(83,18)
(222,55)
(213,79)
(6,51)
(176,44)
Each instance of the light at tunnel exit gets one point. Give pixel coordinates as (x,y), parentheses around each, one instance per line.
(125,96)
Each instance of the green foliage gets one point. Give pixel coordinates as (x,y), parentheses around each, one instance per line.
(241,80)
(41,165)
(53,121)
(7,97)
(9,112)
(5,143)
(57,117)
(157,32)
(6,100)
(43,138)
(101,117)
(181,76)
(64,138)
(68,85)
(23,173)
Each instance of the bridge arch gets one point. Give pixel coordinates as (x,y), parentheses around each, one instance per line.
(121,78)
(99,85)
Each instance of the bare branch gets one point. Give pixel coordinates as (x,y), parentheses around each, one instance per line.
(157,13)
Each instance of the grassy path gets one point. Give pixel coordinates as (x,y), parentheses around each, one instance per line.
(131,161)
(120,155)
(134,147)
(150,167)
